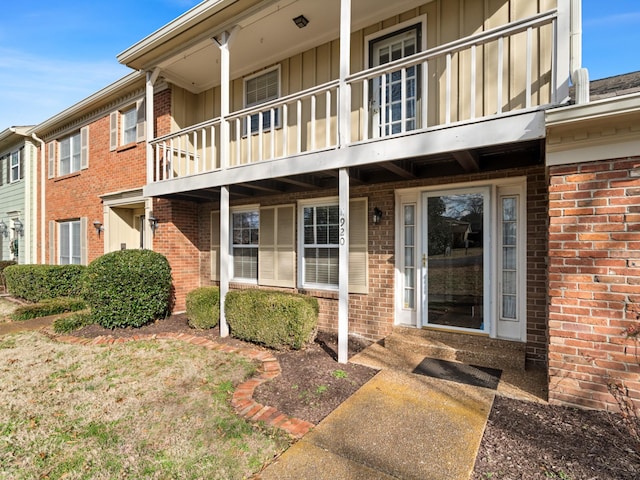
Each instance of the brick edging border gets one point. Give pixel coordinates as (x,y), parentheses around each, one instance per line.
(242,400)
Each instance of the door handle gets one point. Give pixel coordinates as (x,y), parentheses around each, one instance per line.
(424,259)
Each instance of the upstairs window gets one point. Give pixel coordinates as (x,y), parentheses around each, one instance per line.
(15,167)
(69,154)
(259,89)
(127,125)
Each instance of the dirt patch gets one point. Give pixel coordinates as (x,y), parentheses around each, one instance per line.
(523,440)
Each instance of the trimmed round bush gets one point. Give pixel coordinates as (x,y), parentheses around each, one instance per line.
(272,318)
(128,288)
(203,307)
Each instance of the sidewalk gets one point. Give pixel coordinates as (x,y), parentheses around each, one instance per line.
(397,426)
(24,325)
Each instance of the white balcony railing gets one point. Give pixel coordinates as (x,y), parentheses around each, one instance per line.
(500,71)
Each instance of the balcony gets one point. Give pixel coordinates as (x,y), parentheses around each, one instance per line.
(473,93)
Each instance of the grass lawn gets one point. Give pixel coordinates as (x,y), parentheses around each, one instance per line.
(152,409)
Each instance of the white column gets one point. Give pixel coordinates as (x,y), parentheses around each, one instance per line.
(224,257)
(345,69)
(563,52)
(343,287)
(149,120)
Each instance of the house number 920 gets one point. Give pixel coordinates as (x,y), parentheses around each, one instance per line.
(343,231)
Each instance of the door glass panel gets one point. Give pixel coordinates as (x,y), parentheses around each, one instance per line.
(394,102)
(509,206)
(409,257)
(455,260)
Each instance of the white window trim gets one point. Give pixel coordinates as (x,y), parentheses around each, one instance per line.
(302,204)
(246,127)
(232,211)
(18,154)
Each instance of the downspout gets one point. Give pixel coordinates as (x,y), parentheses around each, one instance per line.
(579,75)
(43,188)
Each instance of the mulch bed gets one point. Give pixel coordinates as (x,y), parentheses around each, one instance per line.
(523,440)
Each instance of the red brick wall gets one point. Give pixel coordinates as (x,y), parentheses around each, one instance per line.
(372,315)
(77,195)
(594,280)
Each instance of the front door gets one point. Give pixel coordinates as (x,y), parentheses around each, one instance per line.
(395,94)
(455,259)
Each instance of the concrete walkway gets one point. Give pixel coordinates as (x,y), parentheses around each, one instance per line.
(397,426)
(24,325)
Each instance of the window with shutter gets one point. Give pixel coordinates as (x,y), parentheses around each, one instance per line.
(276,255)
(319,230)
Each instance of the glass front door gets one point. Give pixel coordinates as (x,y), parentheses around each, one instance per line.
(454,259)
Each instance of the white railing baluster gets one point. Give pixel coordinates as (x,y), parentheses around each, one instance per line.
(313,122)
(529,65)
(500,71)
(403,99)
(260,136)
(203,156)
(249,158)
(273,133)
(285,129)
(327,119)
(299,127)
(447,116)
(238,139)
(366,111)
(473,82)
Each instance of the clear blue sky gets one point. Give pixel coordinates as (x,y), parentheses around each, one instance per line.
(55,53)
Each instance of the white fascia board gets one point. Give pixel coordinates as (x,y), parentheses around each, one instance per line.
(597,109)
(95,99)
(173,28)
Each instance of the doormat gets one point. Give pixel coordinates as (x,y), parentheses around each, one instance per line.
(459,372)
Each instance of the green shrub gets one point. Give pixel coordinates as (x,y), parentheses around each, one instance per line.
(203,307)
(271,318)
(48,306)
(72,322)
(128,288)
(37,282)
(4,264)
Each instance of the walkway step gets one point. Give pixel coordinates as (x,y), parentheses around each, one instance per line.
(470,349)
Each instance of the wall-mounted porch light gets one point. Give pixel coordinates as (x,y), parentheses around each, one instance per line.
(153,222)
(18,227)
(4,230)
(301,21)
(98,226)
(377,215)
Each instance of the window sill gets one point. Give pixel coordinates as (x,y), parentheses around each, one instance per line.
(315,292)
(67,176)
(126,147)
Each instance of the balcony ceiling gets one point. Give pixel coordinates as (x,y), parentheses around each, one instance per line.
(265,34)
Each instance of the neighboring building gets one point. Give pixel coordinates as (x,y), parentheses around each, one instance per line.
(93,173)
(18,157)
(293,124)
